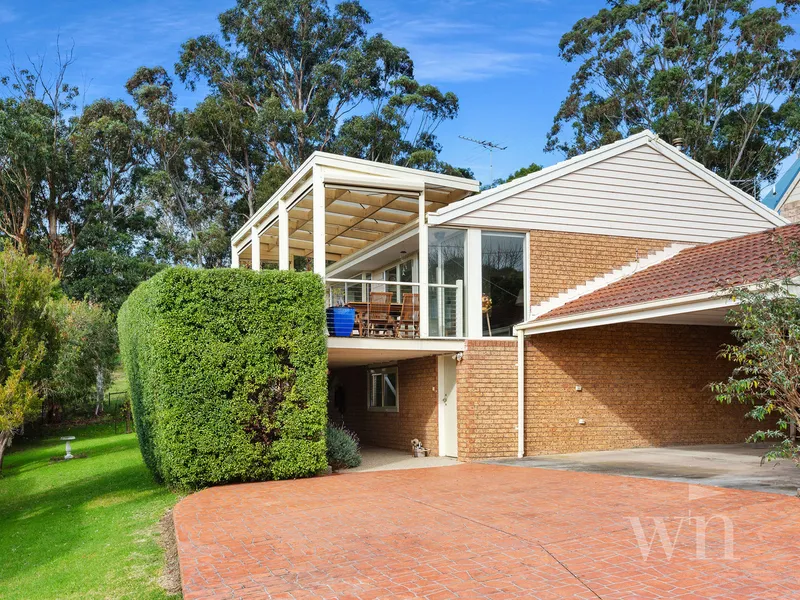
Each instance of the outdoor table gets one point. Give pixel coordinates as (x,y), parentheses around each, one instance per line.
(361,308)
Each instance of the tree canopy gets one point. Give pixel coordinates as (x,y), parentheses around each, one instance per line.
(719,75)
(289,78)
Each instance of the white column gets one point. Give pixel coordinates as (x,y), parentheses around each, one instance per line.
(423,268)
(318,216)
(474,284)
(234,257)
(520,394)
(283,236)
(255,248)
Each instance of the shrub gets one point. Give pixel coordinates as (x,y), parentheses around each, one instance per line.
(227,372)
(86,357)
(343,450)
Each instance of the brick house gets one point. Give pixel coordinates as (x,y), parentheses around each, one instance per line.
(576,308)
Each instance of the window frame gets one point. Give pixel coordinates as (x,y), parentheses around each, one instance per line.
(383,371)
(526,273)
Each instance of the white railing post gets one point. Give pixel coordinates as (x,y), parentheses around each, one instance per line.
(459,308)
(423,268)
(318,219)
(283,236)
(255,249)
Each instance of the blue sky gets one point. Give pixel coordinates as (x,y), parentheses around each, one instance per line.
(500,58)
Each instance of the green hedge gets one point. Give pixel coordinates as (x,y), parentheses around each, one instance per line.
(227,371)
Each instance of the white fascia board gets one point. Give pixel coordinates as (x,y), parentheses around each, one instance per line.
(468,205)
(632,312)
(383,184)
(369,167)
(718,182)
(432,345)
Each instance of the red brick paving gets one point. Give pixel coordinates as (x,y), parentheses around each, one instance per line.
(482,531)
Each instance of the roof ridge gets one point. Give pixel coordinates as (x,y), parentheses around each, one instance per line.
(601,281)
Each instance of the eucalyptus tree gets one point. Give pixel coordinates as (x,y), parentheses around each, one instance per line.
(183,195)
(312,78)
(719,74)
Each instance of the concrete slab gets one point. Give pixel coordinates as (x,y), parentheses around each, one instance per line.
(383,459)
(729,466)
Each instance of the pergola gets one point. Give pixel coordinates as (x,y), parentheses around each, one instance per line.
(334,206)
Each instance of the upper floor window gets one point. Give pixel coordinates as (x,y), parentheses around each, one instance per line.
(401,272)
(358,292)
(503,275)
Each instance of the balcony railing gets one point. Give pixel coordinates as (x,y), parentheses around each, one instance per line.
(392,309)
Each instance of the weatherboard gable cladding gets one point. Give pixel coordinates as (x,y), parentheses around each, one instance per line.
(640,187)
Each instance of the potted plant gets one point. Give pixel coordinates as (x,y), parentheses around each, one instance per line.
(341,319)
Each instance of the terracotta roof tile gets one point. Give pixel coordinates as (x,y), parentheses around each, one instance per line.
(706,268)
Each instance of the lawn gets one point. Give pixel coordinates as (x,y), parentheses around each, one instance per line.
(85,528)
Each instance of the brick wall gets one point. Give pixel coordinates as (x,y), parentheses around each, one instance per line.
(791,211)
(643,385)
(486,380)
(417,416)
(562,260)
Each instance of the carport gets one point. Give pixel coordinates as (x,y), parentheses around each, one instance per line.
(637,349)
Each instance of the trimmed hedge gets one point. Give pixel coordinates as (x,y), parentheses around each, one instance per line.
(228,374)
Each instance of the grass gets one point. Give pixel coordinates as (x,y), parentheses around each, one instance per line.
(85,528)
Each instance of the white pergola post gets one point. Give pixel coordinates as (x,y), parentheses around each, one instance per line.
(234,257)
(318,219)
(283,236)
(255,248)
(424,321)
(474,284)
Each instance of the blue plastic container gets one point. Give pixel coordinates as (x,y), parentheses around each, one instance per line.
(341,321)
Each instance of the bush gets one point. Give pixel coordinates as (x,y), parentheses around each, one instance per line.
(86,357)
(227,372)
(342,447)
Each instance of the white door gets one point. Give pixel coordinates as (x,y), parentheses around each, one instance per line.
(448,413)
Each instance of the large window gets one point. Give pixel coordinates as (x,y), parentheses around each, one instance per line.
(358,292)
(445,267)
(382,390)
(403,272)
(503,274)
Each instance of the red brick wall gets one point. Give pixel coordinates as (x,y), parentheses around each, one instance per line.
(486,382)
(561,261)
(643,385)
(417,416)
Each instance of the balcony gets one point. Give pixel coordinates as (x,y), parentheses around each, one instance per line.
(386,310)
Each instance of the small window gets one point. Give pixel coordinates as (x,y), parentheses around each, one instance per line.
(382,390)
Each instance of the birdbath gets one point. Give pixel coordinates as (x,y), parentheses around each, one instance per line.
(68,439)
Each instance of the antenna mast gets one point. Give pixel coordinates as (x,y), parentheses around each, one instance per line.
(490,146)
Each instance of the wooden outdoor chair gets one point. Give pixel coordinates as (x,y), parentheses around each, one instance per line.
(378,317)
(408,323)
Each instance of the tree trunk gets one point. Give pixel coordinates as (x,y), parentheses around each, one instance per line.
(5,440)
(101,390)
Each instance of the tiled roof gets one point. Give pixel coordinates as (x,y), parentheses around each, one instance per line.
(706,268)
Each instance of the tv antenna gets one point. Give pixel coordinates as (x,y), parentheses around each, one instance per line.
(491,147)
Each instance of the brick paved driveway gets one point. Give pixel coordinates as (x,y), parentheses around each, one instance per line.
(486,531)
